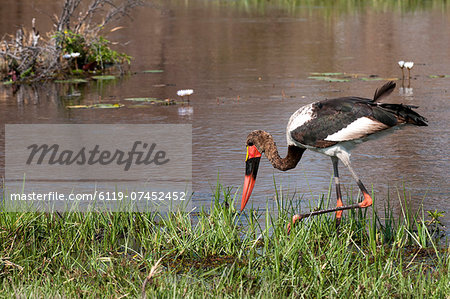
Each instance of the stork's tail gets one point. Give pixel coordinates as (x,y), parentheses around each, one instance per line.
(405,113)
(383,91)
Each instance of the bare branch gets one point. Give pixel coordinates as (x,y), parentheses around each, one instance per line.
(69,8)
(87,17)
(121,11)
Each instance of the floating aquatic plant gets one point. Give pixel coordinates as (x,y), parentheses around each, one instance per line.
(105,77)
(377,79)
(96,106)
(439,76)
(165,102)
(327,74)
(72,80)
(142,99)
(329,79)
(345,77)
(153,71)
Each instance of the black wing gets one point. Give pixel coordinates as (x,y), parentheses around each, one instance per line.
(334,115)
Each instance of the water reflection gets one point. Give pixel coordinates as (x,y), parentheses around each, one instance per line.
(249,66)
(186,111)
(406,91)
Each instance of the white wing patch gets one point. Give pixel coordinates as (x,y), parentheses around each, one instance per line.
(300,117)
(361,127)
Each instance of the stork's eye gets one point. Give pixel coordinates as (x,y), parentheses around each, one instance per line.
(250,143)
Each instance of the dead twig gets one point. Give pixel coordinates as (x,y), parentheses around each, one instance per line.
(149,279)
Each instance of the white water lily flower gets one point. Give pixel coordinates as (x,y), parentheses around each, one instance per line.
(401,63)
(409,65)
(71,55)
(185,92)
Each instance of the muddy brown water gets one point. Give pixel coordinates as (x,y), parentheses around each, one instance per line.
(249,67)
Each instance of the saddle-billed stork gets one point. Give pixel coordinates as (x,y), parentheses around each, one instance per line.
(332,127)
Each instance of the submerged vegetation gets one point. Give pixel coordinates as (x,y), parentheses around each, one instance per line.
(222,253)
(73,47)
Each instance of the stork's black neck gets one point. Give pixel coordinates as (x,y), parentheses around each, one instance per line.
(265,144)
(291,160)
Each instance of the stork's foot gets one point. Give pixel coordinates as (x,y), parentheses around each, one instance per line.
(367,202)
(295,218)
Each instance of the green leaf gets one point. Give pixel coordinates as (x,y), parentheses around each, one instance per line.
(73,80)
(329,79)
(8,82)
(439,76)
(77,72)
(106,77)
(326,74)
(165,102)
(142,99)
(377,79)
(96,106)
(371,78)
(106,106)
(153,71)
(77,107)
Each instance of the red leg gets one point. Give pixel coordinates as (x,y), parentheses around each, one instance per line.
(367,201)
(339,202)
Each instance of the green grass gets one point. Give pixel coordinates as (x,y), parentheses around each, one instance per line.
(217,252)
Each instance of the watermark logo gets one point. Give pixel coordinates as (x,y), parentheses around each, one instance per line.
(53,165)
(52,155)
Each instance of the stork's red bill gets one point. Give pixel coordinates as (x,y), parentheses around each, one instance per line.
(251,170)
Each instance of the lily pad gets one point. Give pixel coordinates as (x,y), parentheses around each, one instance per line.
(73,80)
(77,107)
(153,71)
(371,78)
(329,79)
(153,101)
(97,106)
(326,74)
(107,106)
(142,99)
(106,77)
(378,79)
(431,76)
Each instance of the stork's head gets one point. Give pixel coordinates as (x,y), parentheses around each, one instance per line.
(255,147)
(259,142)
